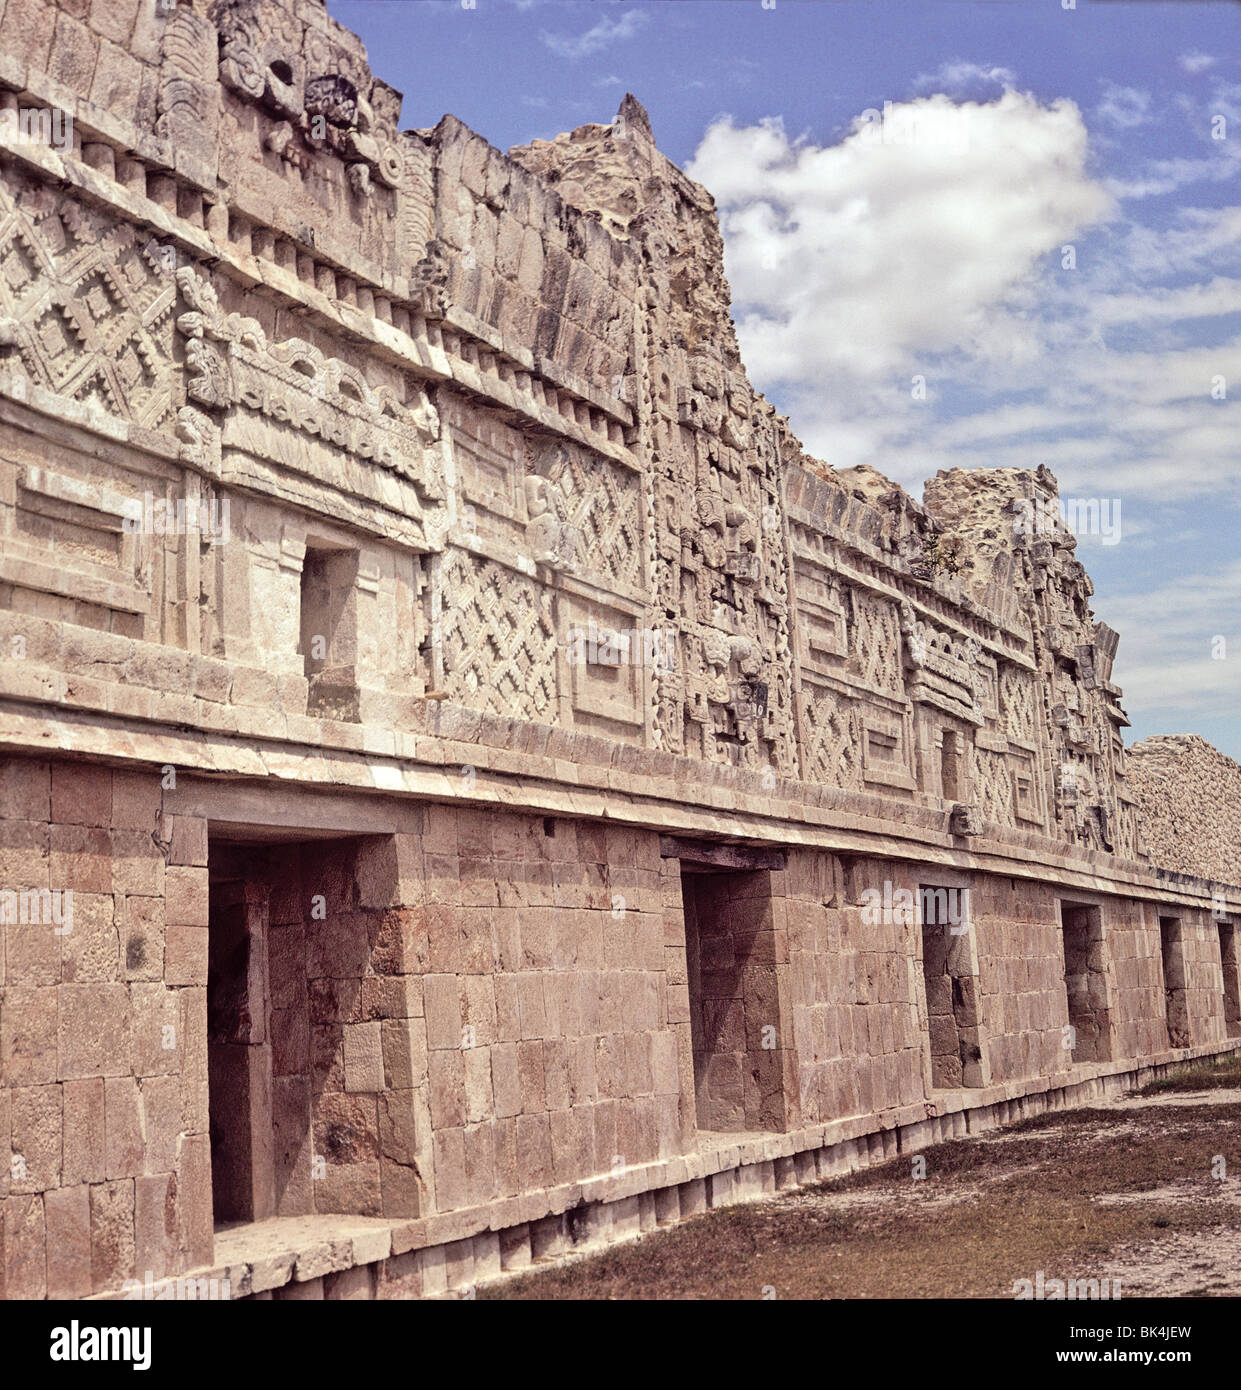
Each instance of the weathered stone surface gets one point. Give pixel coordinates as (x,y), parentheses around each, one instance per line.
(498,811)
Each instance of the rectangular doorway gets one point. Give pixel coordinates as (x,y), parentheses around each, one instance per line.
(735,1027)
(1176,1004)
(239,1059)
(1085,982)
(950,977)
(1232,978)
(287,952)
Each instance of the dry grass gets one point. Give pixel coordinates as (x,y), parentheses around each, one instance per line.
(990,1211)
(1211,1073)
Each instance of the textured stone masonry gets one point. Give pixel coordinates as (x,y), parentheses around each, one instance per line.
(468,779)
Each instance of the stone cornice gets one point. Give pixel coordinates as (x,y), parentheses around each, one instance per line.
(631,786)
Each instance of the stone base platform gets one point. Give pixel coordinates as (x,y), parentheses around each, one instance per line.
(452,1254)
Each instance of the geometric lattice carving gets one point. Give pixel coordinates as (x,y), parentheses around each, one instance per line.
(88,302)
(602,502)
(499,639)
(1017,703)
(877,643)
(831,739)
(993,785)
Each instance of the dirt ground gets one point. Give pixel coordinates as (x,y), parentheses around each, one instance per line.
(1145,1189)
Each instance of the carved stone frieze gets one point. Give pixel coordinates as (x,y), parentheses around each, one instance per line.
(323,92)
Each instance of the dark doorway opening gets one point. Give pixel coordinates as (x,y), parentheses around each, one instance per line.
(1232,978)
(1176,1005)
(950,976)
(740,1056)
(291,1127)
(1085,982)
(239,1053)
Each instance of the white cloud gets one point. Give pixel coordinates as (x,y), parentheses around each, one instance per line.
(1124,107)
(596,39)
(957,77)
(1194,63)
(935,248)
(1218,296)
(1167,664)
(1163,176)
(916,233)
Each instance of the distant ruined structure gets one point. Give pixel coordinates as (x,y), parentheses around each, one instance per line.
(470,786)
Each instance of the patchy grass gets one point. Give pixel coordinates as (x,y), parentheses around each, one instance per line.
(1211,1073)
(989,1211)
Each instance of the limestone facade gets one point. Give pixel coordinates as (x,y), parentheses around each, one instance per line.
(1189,800)
(470,785)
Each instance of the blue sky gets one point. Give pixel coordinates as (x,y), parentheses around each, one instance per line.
(871,245)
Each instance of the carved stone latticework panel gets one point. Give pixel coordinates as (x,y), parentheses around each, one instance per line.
(993,787)
(876,643)
(831,739)
(1017,708)
(86,304)
(499,639)
(601,505)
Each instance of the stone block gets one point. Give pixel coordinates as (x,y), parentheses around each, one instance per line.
(404,1046)
(349,1285)
(187,901)
(36,1119)
(93,1031)
(447,1080)
(364,1060)
(24,1247)
(112,1234)
(195,1231)
(29,1035)
(442,999)
(124,1130)
(142,940)
(81,794)
(67,1214)
(187,837)
(156,1028)
(155,1225)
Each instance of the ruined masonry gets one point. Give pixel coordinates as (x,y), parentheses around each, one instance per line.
(472,788)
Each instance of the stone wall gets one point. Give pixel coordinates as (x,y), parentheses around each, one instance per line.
(502,395)
(483,1010)
(103,1075)
(496,771)
(1190,805)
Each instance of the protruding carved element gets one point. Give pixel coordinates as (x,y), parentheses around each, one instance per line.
(187,100)
(965,820)
(260,53)
(294,384)
(210,382)
(326,94)
(200,440)
(429,278)
(335,98)
(550,541)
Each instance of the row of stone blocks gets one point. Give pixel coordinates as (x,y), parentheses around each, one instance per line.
(456,1270)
